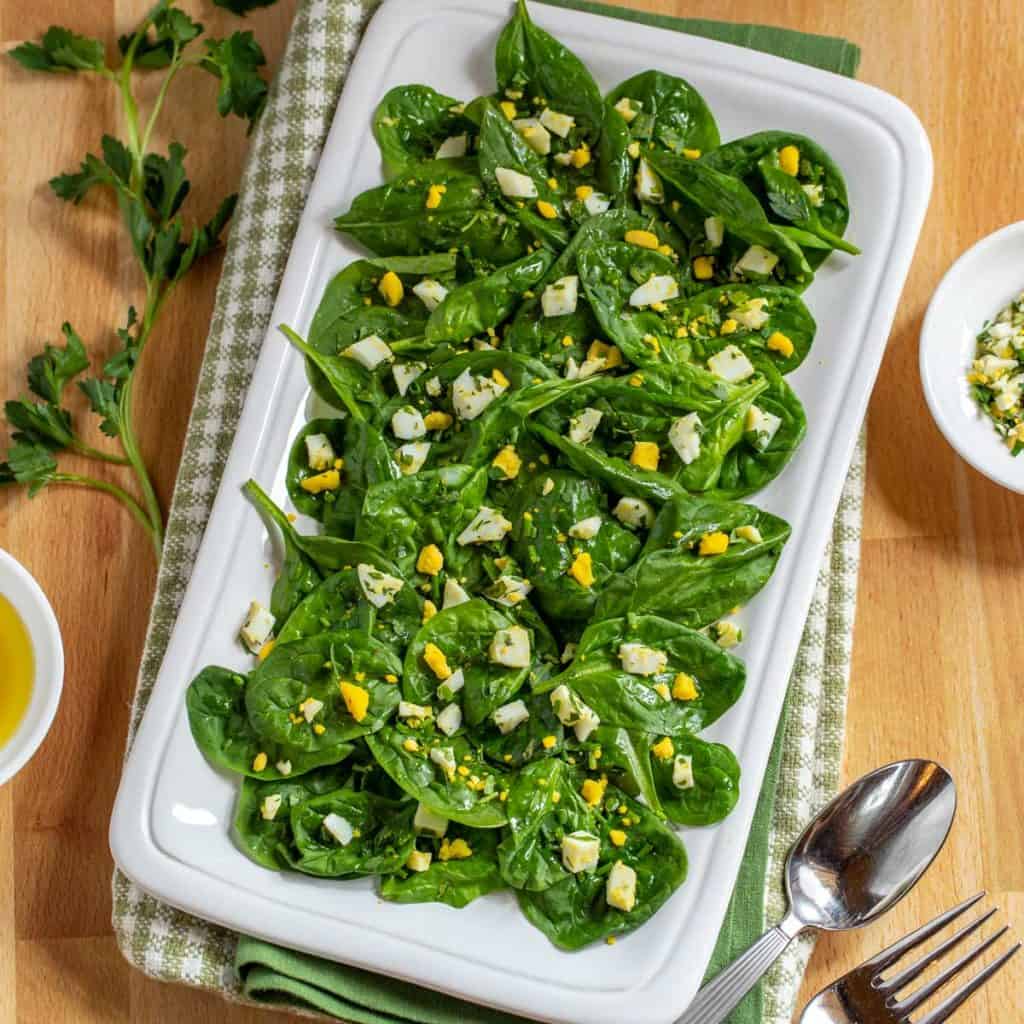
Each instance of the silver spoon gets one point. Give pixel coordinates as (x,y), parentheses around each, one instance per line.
(861,855)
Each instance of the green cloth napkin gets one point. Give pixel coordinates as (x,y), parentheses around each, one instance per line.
(804,768)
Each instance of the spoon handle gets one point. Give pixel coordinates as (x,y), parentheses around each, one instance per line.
(716,1000)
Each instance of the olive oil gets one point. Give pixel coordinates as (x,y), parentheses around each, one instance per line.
(16,670)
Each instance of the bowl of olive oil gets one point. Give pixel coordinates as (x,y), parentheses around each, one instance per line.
(31,666)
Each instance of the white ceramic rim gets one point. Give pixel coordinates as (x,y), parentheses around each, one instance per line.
(992,461)
(35,611)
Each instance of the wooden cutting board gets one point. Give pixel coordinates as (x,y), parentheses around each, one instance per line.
(940,628)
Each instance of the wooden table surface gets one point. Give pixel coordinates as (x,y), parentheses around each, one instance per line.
(940,624)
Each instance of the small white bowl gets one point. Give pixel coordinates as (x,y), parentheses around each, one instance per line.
(29,601)
(983,281)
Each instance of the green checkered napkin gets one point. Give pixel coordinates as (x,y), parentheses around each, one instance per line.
(804,770)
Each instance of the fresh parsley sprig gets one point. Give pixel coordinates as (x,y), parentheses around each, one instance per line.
(150,188)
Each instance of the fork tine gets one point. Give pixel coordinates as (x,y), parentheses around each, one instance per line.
(908,974)
(889,956)
(946,1009)
(925,993)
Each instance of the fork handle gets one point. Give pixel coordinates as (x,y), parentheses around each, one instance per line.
(716,1000)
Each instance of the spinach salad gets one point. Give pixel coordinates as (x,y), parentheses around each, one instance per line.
(555,377)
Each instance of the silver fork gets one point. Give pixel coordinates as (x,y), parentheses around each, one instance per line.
(866,996)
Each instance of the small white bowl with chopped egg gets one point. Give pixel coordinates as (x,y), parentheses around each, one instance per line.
(980,285)
(32,663)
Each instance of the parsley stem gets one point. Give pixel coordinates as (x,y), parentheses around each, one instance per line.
(94,453)
(76,480)
(158,103)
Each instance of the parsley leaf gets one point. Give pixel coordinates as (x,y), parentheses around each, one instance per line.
(171,29)
(235,61)
(60,49)
(40,423)
(50,373)
(114,169)
(31,464)
(166,184)
(104,400)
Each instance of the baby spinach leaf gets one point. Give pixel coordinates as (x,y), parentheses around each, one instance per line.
(742,157)
(531,61)
(775,309)
(530,854)
(368,461)
(670,112)
(216,715)
(395,220)
(314,667)
(716,781)
(749,466)
(672,580)
(544,512)
(431,507)
(317,505)
(627,757)
(382,835)
(455,882)
(630,701)
(299,572)
(339,603)
(486,301)
(270,841)
(501,146)
(526,743)
(464,634)
(574,912)
(453,794)
(720,195)
(614,164)
(412,121)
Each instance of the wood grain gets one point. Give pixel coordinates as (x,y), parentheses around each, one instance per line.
(938,637)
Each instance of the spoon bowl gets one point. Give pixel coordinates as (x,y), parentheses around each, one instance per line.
(866,850)
(861,855)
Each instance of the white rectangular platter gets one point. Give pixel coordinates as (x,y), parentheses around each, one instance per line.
(171,826)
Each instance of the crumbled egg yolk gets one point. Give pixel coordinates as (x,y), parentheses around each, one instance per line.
(434,195)
(662,690)
(499,378)
(644,239)
(716,543)
(778,342)
(266,649)
(789,160)
(429,611)
(454,849)
(549,741)
(592,790)
(703,268)
(582,569)
(684,687)
(356,699)
(546,210)
(617,836)
(259,762)
(437,662)
(664,749)
(508,461)
(430,561)
(508,109)
(391,288)
(645,455)
(437,420)
(728,327)
(330,480)
(580,157)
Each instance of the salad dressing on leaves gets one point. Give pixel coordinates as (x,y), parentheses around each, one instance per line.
(16,668)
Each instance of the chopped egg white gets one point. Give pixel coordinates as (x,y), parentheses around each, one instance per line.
(597,203)
(487,526)
(378,587)
(714,231)
(534,134)
(641,660)
(444,758)
(453,147)
(731,364)
(660,288)
(370,352)
(586,529)
(682,772)
(258,626)
(454,594)
(426,823)
(472,394)
(684,436)
(511,647)
(757,261)
(339,829)
(584,424)
(270,806)
(509,590)
(405,374)
(509,716)
(515,185)
(763,425)
(556,123)
(407,424)
(751,313)
(634,512)
(449,720)
(411,456)
(406,709)
(620,889)
(649,188)
(430,292)
(319,452)
(580,851)
(560,298)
